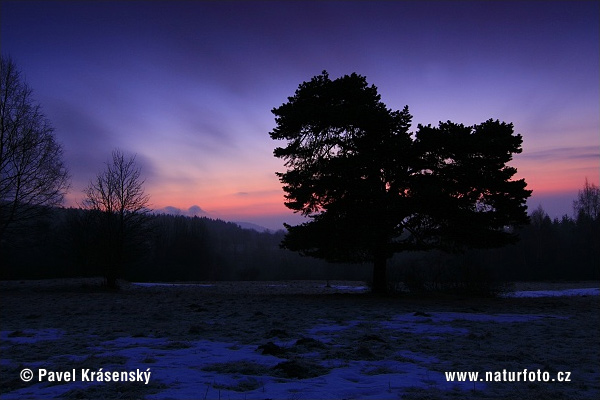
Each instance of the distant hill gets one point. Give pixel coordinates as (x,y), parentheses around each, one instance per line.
(254,227)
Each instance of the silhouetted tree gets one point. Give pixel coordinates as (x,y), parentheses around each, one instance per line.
(120,213)
(587,203)
(33,176)
(370,190)
(587,214)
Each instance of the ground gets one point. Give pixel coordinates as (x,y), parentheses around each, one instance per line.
(293,340)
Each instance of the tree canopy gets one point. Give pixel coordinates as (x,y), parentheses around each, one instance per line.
(371,188)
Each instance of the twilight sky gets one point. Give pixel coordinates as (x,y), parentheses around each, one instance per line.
(188,85)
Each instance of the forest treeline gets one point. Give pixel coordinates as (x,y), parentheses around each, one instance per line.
(180,248)
(176,248)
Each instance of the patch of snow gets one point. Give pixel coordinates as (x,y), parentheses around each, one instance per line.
(352,288)
(153,284)
(183,371)
(46,390)
(424,326)
(478,317)
(186,379)
(330,328)
(461,316)
(411,355)
(182,365)
(555,293)
(129,342)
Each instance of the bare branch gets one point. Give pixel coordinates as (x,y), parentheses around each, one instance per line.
(33,176)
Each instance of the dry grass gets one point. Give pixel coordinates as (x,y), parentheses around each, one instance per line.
(565,339)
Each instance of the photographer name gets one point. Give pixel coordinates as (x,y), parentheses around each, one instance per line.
(93,375)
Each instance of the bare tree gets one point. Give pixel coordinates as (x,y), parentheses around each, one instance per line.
(587,203)
(33,176)
(120,213)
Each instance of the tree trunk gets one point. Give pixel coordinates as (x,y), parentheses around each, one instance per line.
(379,273)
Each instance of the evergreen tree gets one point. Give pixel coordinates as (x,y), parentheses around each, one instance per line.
(371,190)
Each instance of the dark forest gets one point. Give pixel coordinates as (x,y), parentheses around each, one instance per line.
(179,248)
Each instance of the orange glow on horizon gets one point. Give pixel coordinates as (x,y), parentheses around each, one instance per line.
(272,202)
(556,178)
(222,198)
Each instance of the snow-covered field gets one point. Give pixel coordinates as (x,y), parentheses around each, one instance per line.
(293,340)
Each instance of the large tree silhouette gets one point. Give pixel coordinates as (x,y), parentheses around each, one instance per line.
(33,177)
(370,189)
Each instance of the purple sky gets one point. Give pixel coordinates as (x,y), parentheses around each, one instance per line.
(188,86)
